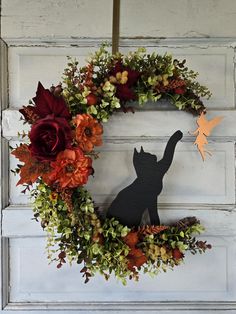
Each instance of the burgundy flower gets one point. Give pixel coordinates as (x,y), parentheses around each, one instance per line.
(124,91)
(133,75)
(47,103)
(48,137)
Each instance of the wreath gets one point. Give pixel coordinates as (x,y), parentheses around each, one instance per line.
(66,125)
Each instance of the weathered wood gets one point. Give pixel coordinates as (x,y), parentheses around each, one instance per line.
(141,125)
(4,173)
(218,221)
(41,34)
(55,18)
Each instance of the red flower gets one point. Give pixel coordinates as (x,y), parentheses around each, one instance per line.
(131,239)
(124,89)
(48,137)
(91,99)
(180,90)
(133,75)
(177,254)
(123,92)
(46,103)
(70,169)
(136,258)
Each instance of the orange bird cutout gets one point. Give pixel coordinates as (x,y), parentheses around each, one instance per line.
(204,129)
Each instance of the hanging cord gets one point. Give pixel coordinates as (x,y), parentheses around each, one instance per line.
(116,26)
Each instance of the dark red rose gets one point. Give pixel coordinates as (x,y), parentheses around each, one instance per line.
(47,103)
(48,137)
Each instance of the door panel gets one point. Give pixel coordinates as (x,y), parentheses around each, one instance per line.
(188,191)
(205,189)
(47,64)
(45,283)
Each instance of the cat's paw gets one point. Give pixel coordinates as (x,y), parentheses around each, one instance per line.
(178,134)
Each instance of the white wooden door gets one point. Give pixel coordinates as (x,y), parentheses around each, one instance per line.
(37,37)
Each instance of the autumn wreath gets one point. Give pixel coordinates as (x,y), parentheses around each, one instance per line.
(66,125)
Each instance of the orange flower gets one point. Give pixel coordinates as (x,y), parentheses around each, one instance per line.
(70,169)
(177,254)
(88,132)
(131,239)
(136,258)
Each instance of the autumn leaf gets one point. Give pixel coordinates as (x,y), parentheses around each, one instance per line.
(22,152)
(32,168)
(136,257)
(147,230)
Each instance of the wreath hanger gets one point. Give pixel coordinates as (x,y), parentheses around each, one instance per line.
(115,26)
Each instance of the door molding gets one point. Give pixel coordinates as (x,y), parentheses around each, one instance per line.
(125,306)
(124,41)
(4,171)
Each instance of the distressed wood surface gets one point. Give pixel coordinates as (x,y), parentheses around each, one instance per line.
(79,18)
(40,34)
(188,185)
(150,124)
(218,221)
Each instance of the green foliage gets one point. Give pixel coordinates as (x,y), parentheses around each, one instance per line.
(81,236)
(155,71)
(76,232)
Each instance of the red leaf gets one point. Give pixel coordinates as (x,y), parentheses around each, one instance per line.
(32,169)
(22,152)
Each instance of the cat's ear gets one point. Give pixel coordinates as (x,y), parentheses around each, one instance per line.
(141,150)
(135,155)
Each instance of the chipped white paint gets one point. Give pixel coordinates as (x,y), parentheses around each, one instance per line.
(91,18)
(53,19)
(17,219)
(150,124)
(41,34)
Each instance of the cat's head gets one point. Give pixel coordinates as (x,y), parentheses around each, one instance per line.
(144,163)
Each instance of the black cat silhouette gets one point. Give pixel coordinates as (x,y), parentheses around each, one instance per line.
(130,203)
